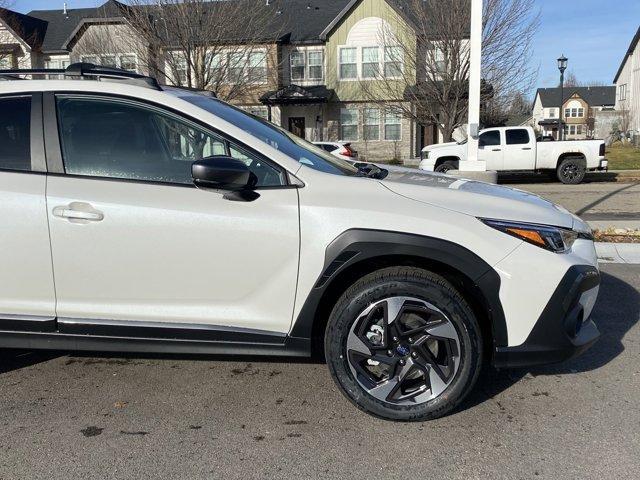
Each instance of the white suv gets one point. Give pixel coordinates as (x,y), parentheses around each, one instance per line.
(141,218)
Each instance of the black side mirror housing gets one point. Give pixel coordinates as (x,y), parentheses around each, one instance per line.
(225,174)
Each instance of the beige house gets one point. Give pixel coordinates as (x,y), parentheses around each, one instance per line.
(627,82)
(578,107)
(308,80)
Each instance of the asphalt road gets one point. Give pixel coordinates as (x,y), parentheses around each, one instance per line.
(594,202)
(76,416)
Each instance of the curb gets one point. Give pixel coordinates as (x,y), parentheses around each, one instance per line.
(626,253)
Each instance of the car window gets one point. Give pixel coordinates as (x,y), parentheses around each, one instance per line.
(291,145)
(328,148)
(119,139)
(488,139)
(517,137)
(15,133)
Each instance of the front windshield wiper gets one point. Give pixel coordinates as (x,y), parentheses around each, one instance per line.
(370,170)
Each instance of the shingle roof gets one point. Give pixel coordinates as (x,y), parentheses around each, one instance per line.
(31,30)
(60,26)
(304,20)
(594,96)
(630,50)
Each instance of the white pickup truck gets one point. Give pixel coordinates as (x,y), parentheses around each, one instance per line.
(516,149)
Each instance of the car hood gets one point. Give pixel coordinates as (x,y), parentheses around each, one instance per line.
(475,198)
(439,146)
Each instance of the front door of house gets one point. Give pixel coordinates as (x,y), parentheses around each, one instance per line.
(296,126)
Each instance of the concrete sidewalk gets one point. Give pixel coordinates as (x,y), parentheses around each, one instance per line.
(628,253)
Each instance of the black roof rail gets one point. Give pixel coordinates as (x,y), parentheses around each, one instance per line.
(86,70)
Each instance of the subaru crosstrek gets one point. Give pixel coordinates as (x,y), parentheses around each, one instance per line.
(143,218)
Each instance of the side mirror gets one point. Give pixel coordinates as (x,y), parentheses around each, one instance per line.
(226,174)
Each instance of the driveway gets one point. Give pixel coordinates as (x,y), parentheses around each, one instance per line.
(90,416)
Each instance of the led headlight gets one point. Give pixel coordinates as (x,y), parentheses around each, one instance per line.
(555,239)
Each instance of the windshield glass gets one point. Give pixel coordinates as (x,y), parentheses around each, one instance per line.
(291,145)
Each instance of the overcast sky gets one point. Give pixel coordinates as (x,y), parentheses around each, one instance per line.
(593,34)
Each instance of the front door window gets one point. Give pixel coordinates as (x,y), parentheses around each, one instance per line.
(296,126)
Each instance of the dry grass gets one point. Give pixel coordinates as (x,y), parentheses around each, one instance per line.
(623,157)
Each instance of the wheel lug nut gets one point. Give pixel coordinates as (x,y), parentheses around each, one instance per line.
(390,353)
(411,340)
(395,339)
(414,354)
(402,362)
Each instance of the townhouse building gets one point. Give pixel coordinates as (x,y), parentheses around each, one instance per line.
(627,82)
(579,107)
(307,79)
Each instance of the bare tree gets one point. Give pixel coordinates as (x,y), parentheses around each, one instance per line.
(228,47)
(571,80)
(430,42)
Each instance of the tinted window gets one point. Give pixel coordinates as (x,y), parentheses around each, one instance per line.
(488,139)
(517,137)
(289,144)
(15,133)
(117,139)
(329,148)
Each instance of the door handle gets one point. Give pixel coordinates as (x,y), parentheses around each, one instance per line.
(77,211)
(496,150)
(526,148)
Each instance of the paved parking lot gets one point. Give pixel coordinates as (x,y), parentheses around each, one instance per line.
(91,416)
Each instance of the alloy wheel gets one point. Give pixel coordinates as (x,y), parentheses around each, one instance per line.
(403,351)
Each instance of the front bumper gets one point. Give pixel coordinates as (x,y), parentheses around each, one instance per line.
(564,330)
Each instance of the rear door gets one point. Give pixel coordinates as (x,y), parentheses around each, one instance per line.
(134,242)
(490,149)
(27,298)
(519,150)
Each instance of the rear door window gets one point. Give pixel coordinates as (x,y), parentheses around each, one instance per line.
(15,133)
(518,136)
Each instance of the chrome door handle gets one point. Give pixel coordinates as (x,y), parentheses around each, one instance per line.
(78,211)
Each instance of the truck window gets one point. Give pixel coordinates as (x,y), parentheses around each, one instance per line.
(489,139)
(518,136)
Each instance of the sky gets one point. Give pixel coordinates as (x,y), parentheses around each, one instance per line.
(593,34)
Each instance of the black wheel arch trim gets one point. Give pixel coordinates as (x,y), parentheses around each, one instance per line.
(359,245)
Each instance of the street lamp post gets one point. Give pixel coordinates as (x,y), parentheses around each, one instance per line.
(562,66)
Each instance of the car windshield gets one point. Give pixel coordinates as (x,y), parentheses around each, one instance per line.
(278,138)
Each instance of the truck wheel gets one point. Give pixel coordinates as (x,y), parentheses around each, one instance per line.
(572,170)
(444,167)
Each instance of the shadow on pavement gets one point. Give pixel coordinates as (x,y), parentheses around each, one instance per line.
(523,178)
(617,311)
(16,359)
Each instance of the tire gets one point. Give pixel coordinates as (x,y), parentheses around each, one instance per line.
(436,332)
(572,170)
(444,167)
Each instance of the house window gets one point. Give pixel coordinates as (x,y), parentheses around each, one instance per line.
(581,112)
(371,124)
(180,68)
(109,61)
(370,62)
(129,63)
(348,63)
(349,124)
(578,129)
(257,67)
(7,61)
(236,67)
(392,62)
(215,62)
(90,59)
(392,126)
(552,113)
(622,92)
(258,111)
(316,65)
(297,66)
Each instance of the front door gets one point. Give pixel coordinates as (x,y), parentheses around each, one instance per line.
(297,126)
(133,239)
(490,149)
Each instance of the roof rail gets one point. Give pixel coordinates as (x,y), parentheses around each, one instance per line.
(86,70)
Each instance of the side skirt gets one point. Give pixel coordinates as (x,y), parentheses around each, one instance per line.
(144,337)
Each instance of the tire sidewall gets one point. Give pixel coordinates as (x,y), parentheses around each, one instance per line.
(580,165)
(447,300)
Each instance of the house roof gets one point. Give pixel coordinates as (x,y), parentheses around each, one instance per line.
(31,30)
(296,95)
(594,96)
(630,50)
(60,26)
(304,20)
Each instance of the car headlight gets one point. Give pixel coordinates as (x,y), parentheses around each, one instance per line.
(554,239)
